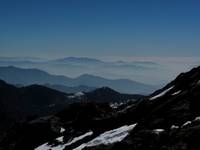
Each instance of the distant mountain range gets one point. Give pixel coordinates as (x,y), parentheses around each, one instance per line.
(154,71)
(142,71)
(15,75)
(81,60)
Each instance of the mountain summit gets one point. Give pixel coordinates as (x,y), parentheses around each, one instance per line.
(80,60)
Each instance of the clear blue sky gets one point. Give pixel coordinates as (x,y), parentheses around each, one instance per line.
(58,28)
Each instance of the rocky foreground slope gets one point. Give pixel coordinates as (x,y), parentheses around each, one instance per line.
(168,119)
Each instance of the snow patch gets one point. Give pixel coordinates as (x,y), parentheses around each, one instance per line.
(186,123)
(60,139)
(62,146)
(62,130)
(189,122)
(174,127)
(176,92)
(161,94)
(158,131)
(76,95)
(71,97)
(116,105)
(197,118)
(79,138)
(109,137)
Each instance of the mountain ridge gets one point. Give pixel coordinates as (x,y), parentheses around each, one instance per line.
(17,75)
(169,118)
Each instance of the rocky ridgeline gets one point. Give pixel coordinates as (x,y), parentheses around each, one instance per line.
(168,119)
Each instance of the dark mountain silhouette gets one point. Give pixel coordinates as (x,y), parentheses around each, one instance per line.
(75,89)
(16,75)
(18,103)
(167,119)
(107,94)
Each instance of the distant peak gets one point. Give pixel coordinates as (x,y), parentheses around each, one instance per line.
(82,59)
(105,89)
(88,76)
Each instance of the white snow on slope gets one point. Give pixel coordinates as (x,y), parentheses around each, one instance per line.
(174,127)
(116,105)
(158,131)
(76,95)
(62,130)
(109,137)
(197,118)
(161,94)
(186,123)
(176,92)
(190,122)
(60,139)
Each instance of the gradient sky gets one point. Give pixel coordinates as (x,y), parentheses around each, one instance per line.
(96,28)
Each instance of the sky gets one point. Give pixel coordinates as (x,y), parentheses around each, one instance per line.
(100,28)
